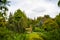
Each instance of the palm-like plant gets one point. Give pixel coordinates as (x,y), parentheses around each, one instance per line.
(3,6)
(3,10)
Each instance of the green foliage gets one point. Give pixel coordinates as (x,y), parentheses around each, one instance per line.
(37,29)
(46,16)
(17,22)
(59,3)
(20,20)
(52,35)
(42,28)
(34,36)
(1,14)
(50,25)
(2,21)
(19,14)
(57,19)
(5,34)
(3,7)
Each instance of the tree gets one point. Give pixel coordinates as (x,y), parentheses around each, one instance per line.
(20,20)
(10,18)
(2,20)
(57,19)
(46,16)
(3,10)
(59,3)
(50,25)
(3,6)
(10,23)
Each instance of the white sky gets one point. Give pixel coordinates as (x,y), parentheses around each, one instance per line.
(35,8)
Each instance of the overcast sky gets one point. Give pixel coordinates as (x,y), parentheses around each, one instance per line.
(35,8)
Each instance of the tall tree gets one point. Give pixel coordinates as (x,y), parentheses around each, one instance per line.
(59,3)
(10,23)
(20,20)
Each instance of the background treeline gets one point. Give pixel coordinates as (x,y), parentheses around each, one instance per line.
(19,27)
(43,28)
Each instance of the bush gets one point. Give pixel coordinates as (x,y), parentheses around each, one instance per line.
(34,36)
(51,35)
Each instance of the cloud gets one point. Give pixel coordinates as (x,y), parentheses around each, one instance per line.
(39,10)
(34,8)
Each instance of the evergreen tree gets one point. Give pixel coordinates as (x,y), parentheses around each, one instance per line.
(20,20)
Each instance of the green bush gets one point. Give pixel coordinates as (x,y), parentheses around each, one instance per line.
(51,35)
(34,36)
